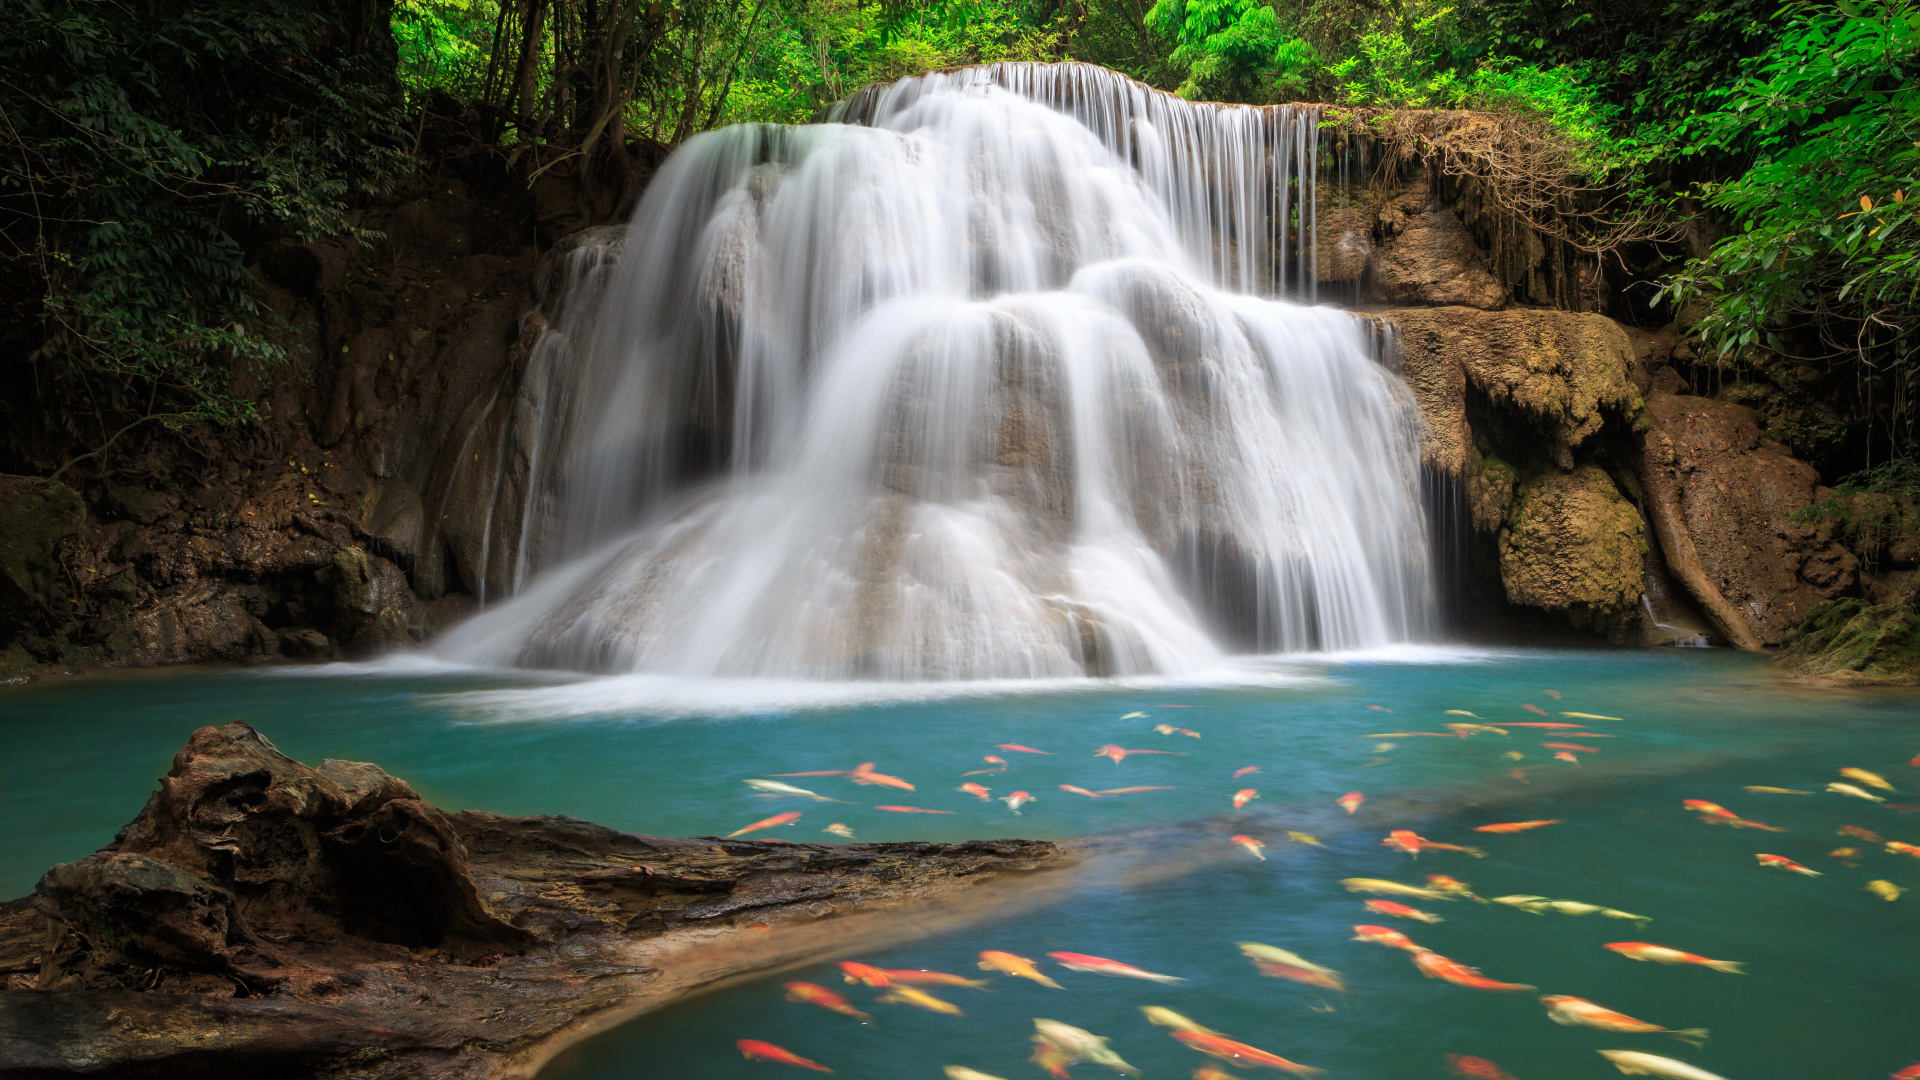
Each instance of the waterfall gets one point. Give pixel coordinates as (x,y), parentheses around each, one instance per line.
(993,377)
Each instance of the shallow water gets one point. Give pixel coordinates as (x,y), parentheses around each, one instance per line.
(1834,972)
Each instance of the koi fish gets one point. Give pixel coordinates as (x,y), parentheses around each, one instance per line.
(912,810)
(1451,885)
(1569,1011)
(775,821)
(1758,789)
(924,977)
(1515,755)
(1095,965)
(1281,964)
(1391,888)
(1435,966)
(775,787)
(1870,779)
(1051,1058)
(1517,826)
(1304,838)
(1015,747)
(1474,1068)
(1885,890)
(1383,708)
(1846,854)
(816,772)
(919,999)
(1520,774)
(1118,754)
(1715,814)
(976,791)
(1000,761)
(1381,748)
(1170,1019)
(1164,729)
(1858,793)
(1239,1053)
(1784,863)
(863,774)
(839,829)
(1525,902)
(1576,747)
(1080,1044)
(1554,694)
(1532,708)
(1079,791)
(1401,911)
(1538,724)
(1253,846)
(1462,712)
(1474,729)
(1868,835)
(1660,954)
(961,1072)
(1635,1063)
(1130,790)
(1412,843)
(1351,801)
(1135,716)
(1589,716)
(1564,755)
(864,974)
(1414,735)
(1384,935)
(1018,966)
(1238,773)
(1911,1072)
(1017,800)
(1243,797)
(806,993)
(1896,847)
(755,1050)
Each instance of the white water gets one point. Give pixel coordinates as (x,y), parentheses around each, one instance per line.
(979,388)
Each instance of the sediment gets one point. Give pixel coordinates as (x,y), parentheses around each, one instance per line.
(261,917)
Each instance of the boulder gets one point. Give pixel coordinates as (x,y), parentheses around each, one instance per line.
(1572,544)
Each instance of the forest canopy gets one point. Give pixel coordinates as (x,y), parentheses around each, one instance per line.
(150,144)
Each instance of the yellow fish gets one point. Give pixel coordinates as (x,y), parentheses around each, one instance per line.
(1868,778)
(1475,729)
(839,829)
(1758,790)
(1169,1019)
(1885,890)
(1590,716)
(961,1072)
(1516,755)
(1304,838)
(1858,793)
(1018,966)
(1392,888)
(919,999)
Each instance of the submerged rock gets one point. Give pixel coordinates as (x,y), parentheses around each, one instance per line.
(261,917)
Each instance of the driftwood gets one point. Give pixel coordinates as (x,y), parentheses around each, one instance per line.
(264,918)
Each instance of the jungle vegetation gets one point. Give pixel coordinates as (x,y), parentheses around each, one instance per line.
(146,146)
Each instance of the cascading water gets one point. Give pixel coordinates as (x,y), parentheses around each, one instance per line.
(985,383)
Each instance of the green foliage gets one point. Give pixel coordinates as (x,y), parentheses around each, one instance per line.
(444,45)
(1232,50)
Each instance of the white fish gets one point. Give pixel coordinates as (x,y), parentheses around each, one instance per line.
(775,787)
(1080,1043)
(1858,793)
(961,1072)
(1637,1063)
(1135,716)
(1170,1019)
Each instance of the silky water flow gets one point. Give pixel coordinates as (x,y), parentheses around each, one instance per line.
(992,377)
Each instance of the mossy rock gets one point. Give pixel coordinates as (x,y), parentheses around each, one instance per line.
(1851,641)
(1573,545)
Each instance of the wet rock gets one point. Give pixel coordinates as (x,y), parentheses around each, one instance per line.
(264,918)
(1430,258)
(195,623)
(141,505)
(1343,244)
(373,605)
(1854,642)
(1572,544)
(1735,498)
(35,516)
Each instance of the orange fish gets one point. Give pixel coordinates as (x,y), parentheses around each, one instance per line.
(1435,966)
(1914,764)
(1253,846)
(863,774)
(1130,790)
(1017,748)
(912,810)
(1240,1054)
(1017,800)
(1565,755)
(1570,1011)
(923,977)
(1911,1072)
(1351,801)
(1243,797)
(1586,735)
(1401,911)
(1412,843)
(1383,708)
(776,820)
(1536,709)
(1000,761)
(1554,694)
(807,993)
(1079,791)
(1384,935)
(1897,847)
(1118,754)
(1018,966)
(1517,826)
(1453,885)
(755,1050)
(1868,835)
(976,791)
(1660,954)
(1475,1068)
(1099,965)
(1845,853)
(1569,746)
(864,974)
(1238,773)
(1710,810)
(1784,863)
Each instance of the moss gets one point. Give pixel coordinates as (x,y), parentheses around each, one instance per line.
(1849,640)
(1573,545)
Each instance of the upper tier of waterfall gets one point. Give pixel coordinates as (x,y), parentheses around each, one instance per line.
(988,380)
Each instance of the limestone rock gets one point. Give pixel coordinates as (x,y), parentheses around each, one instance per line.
(35,516)
(1561,366)
(1737,499)
(372,603)
(1431,258)
(1343,244)
(1852,641)
(1573,544)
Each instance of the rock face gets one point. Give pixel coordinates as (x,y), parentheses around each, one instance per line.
(1573,544)
(1853,641)
(1428,258)
(265,918)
